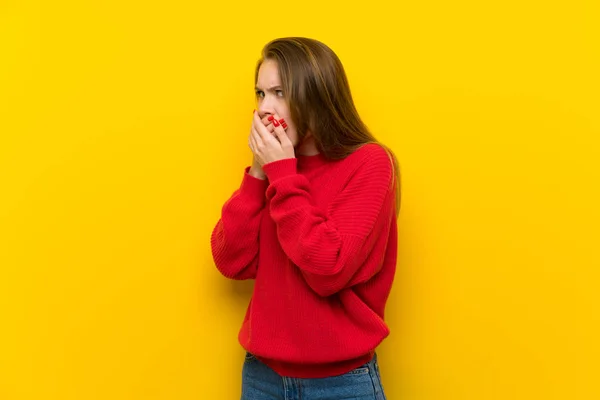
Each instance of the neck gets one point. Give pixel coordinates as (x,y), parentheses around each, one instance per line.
(307,147)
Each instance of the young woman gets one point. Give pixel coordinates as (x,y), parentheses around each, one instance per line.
(314,223)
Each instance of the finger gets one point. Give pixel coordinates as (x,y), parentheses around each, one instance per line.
(252,142)
(283,138)
(277,120)
(270,128)
(256,139)
(262,130)
(252,137)
(266,120)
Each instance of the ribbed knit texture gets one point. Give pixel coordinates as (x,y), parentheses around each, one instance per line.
(320,238)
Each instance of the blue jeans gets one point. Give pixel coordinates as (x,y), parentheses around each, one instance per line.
(259,382)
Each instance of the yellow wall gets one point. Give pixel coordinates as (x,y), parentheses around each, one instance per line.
(123,130)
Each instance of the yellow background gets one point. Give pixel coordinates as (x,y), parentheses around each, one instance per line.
(123,129)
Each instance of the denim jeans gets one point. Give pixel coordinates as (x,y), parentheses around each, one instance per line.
(259,382)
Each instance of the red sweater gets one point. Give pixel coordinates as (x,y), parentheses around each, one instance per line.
(319,238)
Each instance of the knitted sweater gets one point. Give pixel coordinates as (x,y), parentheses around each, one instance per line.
(320,239)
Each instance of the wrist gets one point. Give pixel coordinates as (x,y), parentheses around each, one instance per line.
(257,173)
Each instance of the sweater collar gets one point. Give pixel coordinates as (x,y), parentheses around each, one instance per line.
(310,162)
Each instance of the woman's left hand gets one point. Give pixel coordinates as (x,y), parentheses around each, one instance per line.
(269,147)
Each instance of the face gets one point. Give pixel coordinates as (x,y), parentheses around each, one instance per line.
(271,99)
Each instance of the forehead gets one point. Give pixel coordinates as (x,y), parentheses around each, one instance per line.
(268,74)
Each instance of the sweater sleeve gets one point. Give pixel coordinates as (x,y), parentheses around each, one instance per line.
(234,240)
(345,244)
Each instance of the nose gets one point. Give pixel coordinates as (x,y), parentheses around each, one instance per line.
(266,106)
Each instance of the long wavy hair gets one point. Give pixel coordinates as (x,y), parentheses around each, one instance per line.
(316,88)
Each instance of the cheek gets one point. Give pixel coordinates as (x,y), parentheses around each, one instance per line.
(293,135)
(283,112)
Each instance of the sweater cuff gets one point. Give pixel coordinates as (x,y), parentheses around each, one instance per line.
(280,169)
(253,187)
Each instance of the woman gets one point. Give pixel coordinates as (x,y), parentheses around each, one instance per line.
(314,223)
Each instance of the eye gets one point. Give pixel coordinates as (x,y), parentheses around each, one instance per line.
(279,93)
(260,93)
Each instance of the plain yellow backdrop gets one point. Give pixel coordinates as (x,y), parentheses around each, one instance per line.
(123,129)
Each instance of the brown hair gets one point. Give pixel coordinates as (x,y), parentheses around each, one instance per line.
(317,90)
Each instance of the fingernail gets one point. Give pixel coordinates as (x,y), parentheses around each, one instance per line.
(284,125)
(281,121)
(270,118)
(276,123)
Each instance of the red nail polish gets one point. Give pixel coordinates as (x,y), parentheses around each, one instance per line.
(281,121)
(270,118)
(276,123)
(284,125)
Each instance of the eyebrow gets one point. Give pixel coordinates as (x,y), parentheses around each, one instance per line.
(269,89)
